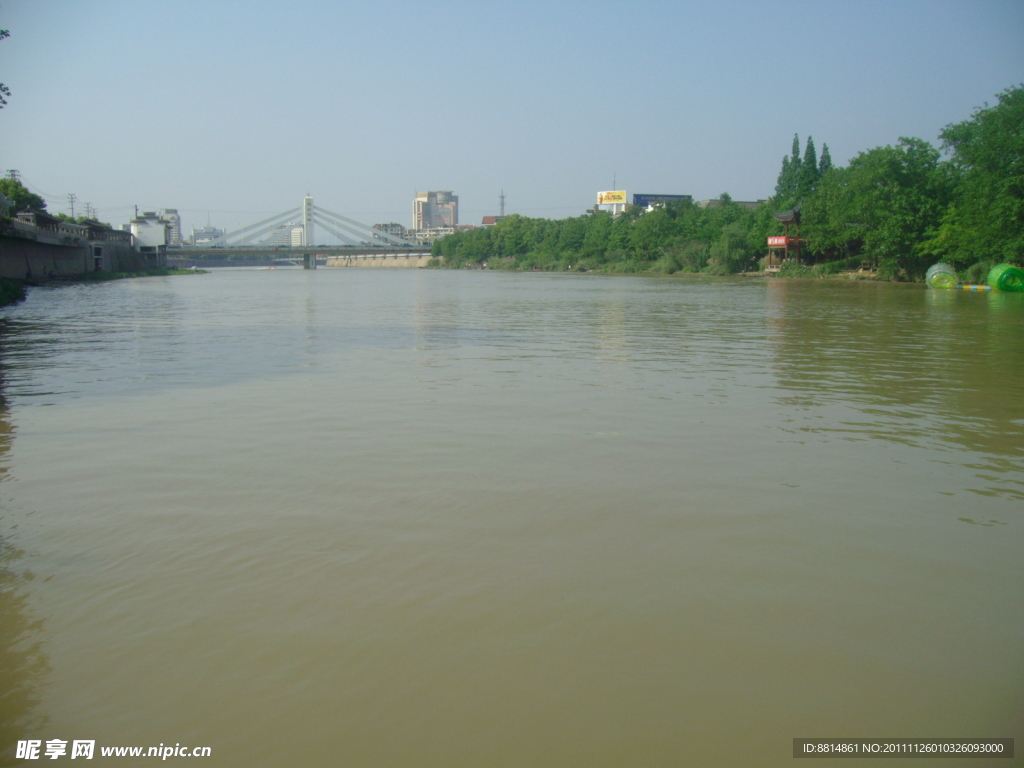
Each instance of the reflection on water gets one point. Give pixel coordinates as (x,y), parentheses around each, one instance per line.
(946,376)
(23,665)
(428,518)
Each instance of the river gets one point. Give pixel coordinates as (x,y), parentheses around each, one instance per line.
(437,518)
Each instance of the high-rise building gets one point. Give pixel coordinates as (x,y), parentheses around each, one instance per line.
(435,209)
(170,215)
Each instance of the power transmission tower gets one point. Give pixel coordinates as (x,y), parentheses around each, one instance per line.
(502,198)
(14,176)
(71,199)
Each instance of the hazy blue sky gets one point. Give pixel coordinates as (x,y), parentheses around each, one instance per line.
(241,108)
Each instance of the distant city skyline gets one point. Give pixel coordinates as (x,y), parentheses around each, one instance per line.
(190,105)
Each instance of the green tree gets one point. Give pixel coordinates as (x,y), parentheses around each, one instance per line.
(731,252)
(825,163)
(787,187)
(22,199)
(885,204)
(986,220)
(4,90)
(808,170)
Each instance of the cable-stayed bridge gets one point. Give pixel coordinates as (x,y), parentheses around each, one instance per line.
(359,239)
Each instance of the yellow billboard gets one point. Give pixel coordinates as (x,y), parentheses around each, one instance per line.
(605,198)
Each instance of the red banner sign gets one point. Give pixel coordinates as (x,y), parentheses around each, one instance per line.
(783,240)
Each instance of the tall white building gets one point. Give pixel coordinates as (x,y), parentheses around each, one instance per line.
(149,231)
(435,209)
(170,215)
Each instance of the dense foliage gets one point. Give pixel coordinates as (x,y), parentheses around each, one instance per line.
(899,207)
(21,198)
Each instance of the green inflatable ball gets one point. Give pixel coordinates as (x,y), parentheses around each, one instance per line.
(1006,278)
(940,276)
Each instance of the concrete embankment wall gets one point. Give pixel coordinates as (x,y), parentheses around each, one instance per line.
(30,260)
(391,260)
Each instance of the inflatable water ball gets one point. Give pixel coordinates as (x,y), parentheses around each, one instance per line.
(1006,278)
(940,276)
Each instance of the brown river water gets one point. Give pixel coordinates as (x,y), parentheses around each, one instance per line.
(426,518)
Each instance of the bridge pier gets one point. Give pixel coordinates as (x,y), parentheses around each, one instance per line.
(309,261)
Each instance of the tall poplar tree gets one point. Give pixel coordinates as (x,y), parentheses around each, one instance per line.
(788,185)
(782,185)
(825,163)
(808,170)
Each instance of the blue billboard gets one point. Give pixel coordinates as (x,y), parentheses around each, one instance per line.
(646,200)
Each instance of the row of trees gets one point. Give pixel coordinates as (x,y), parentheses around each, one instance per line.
(22,199)
(903,207)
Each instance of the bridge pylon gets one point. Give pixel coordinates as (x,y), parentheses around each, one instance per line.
(308,239)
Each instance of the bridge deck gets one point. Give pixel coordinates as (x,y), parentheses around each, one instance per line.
(293,253)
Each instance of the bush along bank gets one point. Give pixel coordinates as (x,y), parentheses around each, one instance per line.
(11,291)
(900,208)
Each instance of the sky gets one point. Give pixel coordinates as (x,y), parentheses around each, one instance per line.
(233,111)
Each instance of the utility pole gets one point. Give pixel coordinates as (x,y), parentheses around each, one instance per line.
(502,198)
(71,199)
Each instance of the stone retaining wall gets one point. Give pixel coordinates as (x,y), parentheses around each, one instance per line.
(391,260)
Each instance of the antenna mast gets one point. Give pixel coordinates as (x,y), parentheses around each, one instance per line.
(502,198)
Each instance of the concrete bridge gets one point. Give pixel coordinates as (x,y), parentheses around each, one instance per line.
(367,246)
(329,255)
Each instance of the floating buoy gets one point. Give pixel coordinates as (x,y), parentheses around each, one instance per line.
(940,276)
(1006,278)
(975,287)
